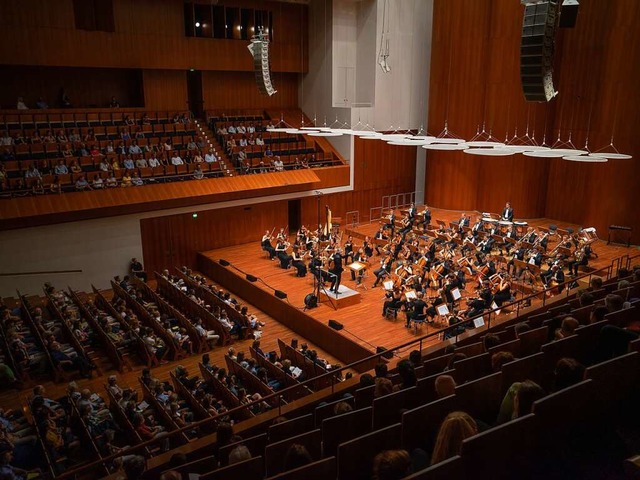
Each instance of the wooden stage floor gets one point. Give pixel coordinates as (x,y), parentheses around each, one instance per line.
(363,322)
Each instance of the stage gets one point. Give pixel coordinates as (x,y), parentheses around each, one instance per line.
(363,321)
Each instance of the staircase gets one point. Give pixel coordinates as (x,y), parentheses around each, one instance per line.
(202,129)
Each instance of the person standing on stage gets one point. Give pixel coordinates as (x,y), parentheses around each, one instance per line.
(507,213)
(336,270)
(426,217)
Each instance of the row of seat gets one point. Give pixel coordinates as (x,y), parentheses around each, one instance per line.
(44,119)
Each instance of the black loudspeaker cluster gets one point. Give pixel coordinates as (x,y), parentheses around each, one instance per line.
(536,50)
(336,325)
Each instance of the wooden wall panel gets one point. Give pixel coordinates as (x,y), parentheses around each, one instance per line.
(174,240)
(238,90)
(86,87)
(475,81)
(165,89)
(149,34)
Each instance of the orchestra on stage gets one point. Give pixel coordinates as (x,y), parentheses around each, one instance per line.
(427,270)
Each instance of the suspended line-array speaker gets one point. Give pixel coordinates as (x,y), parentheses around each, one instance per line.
(536,51)
(259,48)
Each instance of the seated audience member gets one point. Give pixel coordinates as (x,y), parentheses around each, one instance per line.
(297,456)
(176,159)
(128,163)
(598,314)
(613,303)
(126,179)
(454,429)
(55,186)
(97,183)
(526,394)
(136,268)
(239,454)
(154,162)
(114,103)
(500,358)
(41,104)
(20,105)
(198,174)
(568,328)
(209,157)
(567,372)
(278,165)
(136,180)
(111,181)
(61,168)
(391,465)
(445,385)
(141,163)
(75,168)
(82,184)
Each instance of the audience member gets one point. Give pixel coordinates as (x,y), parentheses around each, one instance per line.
(391,465)
(445,386)
(454,429)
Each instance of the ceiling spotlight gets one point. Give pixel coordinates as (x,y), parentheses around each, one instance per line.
(197,24)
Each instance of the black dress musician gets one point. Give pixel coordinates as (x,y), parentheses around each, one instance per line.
(336,270)
(348,250)
(266,245)
(393,300)
(283,256)
(507,213)
(368,249)
(298,263)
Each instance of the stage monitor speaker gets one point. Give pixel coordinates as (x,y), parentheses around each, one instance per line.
(569,13)
(311,301)
(251,278)
(336,325)
(385,355)
(536,51)
(280,294)
(224,263)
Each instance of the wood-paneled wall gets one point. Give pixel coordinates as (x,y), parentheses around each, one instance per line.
(475,80)
(86,87)
(165,89)
(176,239)
(238,90)
(148,34)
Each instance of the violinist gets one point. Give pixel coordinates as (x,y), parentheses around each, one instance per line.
(503,291)
(336,269)
(380,235)
(416,309)
(407,225)
(281,235)
(298,263)
(265,243)
(450,282)
(464,221)
(426,217)
(477,227)
(366,245)
(383,271)
(517,255)
(412,212)
(283,256)
(348,249)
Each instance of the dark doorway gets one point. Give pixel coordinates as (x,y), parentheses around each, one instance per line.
(194,92)
(294,215)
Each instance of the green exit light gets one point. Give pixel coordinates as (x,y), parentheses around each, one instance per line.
(194,215)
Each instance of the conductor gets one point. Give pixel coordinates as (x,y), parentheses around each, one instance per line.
(336,270)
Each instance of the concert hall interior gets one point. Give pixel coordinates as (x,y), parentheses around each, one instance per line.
(319,239)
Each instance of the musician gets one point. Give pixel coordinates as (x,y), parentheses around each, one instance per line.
(283,256)
(487,244)
(361,257)
(464,221)
(530,236)
(265,243)
(407,225)
(412,212)
(281,235)
(366,245)
(379,236)
(476,228)
(392,221)
(519,255)
(298,263)
(503,293)
(336,270)
(315,265)
(513,234)
(581,257)
(416,309)
(393,300)
(536,257)
(557,277)
(348,249)
(383,271)
(426,217)
(507,213)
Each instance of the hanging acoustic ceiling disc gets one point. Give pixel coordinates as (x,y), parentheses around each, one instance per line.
(445,146)
(344,131)
(553,153)
(274,129)
(448,140)
(392,136)
(314,128)
(325,134)
(403,143)
(367,133)
(421,138)
(489,152)
(585,158)
(613,156)
(479,143)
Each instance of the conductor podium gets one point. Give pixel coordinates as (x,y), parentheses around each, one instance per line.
(345,297)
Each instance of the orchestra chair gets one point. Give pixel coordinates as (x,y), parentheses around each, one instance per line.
(391,313)
(419,321)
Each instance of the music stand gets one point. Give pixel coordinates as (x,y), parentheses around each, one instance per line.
(358,269)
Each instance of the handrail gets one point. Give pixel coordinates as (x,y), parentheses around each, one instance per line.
(278,395)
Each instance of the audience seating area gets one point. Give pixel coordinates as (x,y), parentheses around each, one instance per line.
(577,423)
(69,145)
(255,150)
